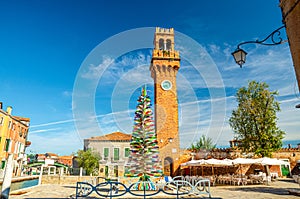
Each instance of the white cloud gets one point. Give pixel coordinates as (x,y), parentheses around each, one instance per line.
(205,113)
(93,71)
(109,71)
(52,123)
(43,130)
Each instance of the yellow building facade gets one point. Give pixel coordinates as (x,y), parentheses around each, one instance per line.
(13,139)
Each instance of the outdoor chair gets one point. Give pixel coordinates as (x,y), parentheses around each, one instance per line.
(220,179)
(225,179)
(212,180)
(187,178)
(239,180)
(193,180)
(256,179)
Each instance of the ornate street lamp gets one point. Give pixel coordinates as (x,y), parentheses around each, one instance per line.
(239,56)
(272,39)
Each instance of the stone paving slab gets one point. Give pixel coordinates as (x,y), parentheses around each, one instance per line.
(276,190)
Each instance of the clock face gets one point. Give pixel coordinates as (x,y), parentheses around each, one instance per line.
(166,85)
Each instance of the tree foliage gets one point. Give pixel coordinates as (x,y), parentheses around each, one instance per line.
(89,161)
(254,120)
(204,143)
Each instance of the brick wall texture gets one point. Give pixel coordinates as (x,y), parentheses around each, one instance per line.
(291,18)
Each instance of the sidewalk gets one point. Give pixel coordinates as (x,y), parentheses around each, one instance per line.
(276,190)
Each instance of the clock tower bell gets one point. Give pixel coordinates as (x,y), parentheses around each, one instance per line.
(164,66)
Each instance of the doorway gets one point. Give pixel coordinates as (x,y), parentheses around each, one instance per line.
(168,166)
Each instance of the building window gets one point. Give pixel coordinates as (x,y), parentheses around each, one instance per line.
(116,171)
(106,153)
(161,44)
(20,131)
(21,148)
(16,147)
(106,171)
(169,44)
(7,145)
(1,120)
(127,152)
(2,164)
(116,154)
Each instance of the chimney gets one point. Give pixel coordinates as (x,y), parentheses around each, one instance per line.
(1,104)
(8,110)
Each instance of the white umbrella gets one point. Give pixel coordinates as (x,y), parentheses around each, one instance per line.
(216,162)
(242,161)
(271,161)
(193,163)
(238,161)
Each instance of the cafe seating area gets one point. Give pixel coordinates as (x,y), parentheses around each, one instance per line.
(236,172)
(227,179)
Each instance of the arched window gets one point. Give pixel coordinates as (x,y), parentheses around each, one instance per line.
(161,44)
(169,44)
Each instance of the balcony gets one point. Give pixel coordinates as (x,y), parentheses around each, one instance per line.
(165,54)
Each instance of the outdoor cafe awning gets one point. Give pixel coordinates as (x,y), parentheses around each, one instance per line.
(237,161)
(271,161)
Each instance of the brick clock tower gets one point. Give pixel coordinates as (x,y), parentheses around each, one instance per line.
(164,66)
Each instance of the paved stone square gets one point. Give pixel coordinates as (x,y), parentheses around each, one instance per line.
(278,189)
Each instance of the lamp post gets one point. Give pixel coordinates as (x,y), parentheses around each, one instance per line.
(272,39)
(239,54)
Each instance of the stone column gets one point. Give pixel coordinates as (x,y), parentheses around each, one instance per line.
(61,171)
(7,177)
(80,172)
(41,175)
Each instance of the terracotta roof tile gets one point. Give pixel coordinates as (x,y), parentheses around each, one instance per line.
(21,118)
(66,157)
(51,154)
(116,136)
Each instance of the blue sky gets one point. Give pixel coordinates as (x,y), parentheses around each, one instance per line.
(75,68)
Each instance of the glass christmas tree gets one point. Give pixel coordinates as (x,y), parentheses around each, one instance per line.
(144,161)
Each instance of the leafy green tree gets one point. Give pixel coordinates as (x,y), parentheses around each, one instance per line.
(89,161)
(31,158)
(254,120)
(203,143)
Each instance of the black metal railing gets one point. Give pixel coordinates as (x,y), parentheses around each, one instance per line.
(114,189)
